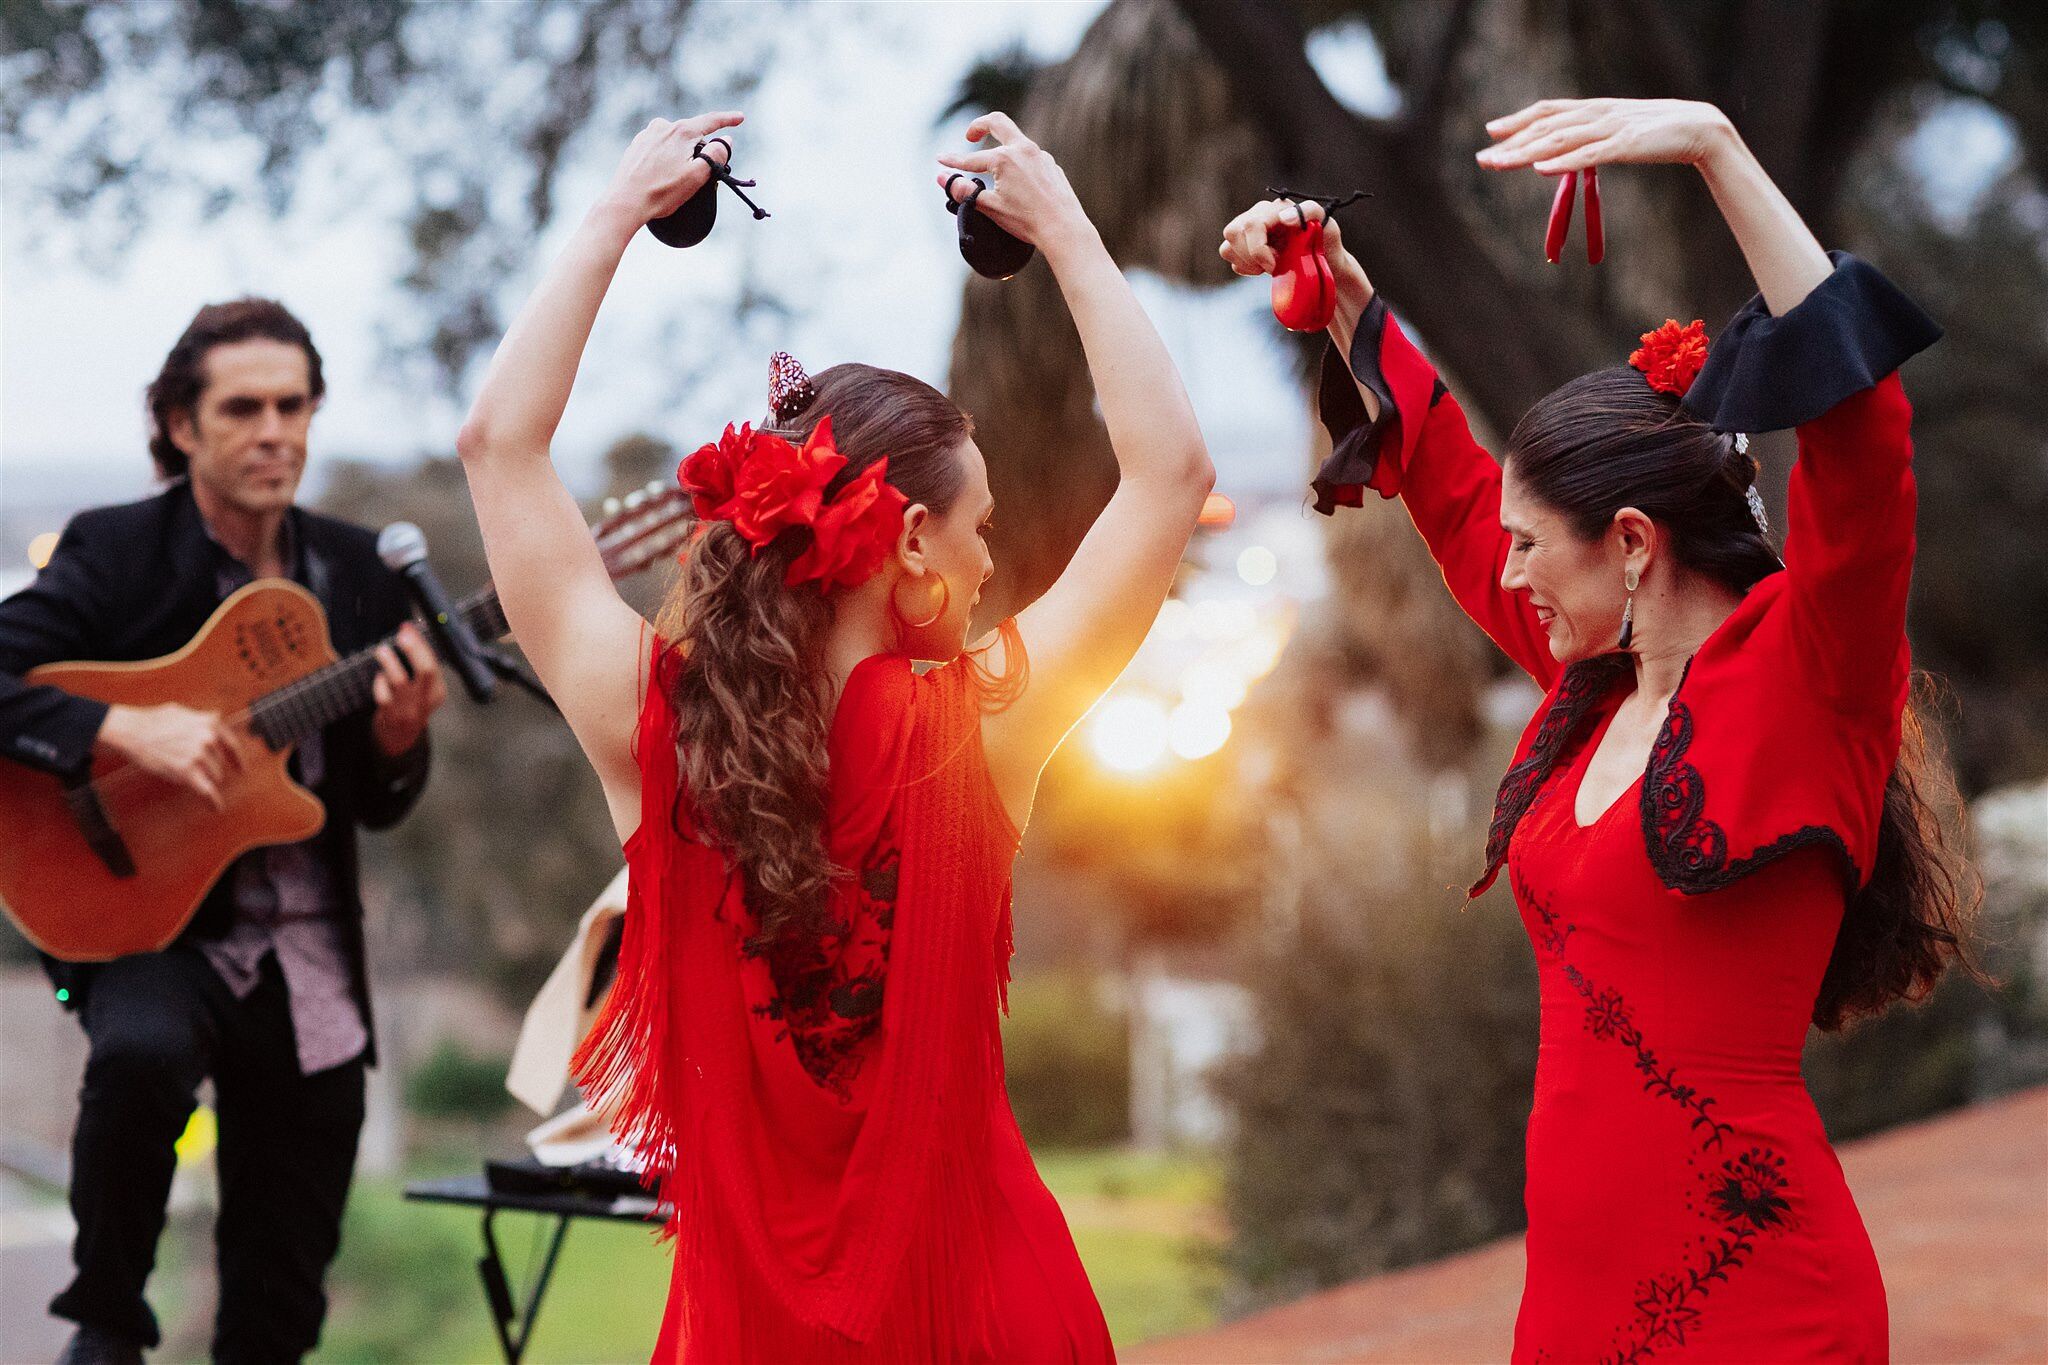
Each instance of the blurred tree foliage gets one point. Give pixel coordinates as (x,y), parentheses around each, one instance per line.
(511,839)
(1067,1060)
(1169,117)
(1385,1105)
(1382,1108)
(477,108)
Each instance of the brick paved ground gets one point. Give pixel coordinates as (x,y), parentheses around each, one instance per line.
(1957,1206)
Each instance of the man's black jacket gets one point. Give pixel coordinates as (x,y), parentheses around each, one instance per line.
(138,581)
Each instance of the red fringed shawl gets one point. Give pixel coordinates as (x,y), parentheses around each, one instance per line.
(828,1171)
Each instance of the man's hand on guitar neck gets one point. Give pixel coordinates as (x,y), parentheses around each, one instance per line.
(194,749)
(407,693)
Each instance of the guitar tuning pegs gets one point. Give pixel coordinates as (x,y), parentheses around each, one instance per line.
(635,498)
(611,507)
(654,487)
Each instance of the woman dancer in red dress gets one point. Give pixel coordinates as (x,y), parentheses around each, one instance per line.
(803,1040)
(1710,829)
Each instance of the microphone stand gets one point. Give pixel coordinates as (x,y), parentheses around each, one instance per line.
(514,670)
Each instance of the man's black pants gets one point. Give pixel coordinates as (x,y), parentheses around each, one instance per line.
(158,1023)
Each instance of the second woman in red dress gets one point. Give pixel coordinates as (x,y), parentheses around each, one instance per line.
(1713,825)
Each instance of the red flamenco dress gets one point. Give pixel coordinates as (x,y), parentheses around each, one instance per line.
(1683,1201)
(831,1127)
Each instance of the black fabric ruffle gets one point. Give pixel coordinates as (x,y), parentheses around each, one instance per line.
(1767,373)
(1354,438)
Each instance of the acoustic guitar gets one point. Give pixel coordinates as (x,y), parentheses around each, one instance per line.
(118,861)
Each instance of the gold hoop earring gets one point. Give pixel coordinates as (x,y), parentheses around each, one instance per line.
(945,600)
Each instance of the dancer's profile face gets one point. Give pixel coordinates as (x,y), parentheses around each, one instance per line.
(1575,584)
(953,545)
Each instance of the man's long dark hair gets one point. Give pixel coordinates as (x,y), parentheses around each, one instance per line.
(177,385)
(1607,441)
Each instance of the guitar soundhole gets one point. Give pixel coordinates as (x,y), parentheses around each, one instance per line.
(267,647)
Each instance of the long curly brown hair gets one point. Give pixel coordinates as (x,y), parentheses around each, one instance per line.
(752,697)
(1606,441)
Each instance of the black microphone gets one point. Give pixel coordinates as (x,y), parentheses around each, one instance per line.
(403,548)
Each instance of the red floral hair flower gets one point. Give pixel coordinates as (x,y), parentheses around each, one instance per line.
(781,486)
(1671,357)
(853,535)
(764,486)
(710,473)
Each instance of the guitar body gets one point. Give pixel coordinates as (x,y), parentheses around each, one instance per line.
(63,894)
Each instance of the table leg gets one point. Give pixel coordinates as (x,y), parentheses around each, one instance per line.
(498,1289)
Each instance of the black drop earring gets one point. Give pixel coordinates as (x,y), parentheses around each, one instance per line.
(692,223)
(1630,580)
(989,249)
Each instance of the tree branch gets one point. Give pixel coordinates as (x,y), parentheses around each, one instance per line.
(1433,82)
(1506,344)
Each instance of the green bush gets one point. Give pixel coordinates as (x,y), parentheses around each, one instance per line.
(1067,1056)
(455,1083)
(1379,1117)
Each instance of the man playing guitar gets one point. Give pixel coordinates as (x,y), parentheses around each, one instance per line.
(265,991)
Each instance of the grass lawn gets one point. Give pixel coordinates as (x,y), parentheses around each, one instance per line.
(406,1289)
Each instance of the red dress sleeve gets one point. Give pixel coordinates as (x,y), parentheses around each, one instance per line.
(1828,366)
(1421,450)
(1849,549)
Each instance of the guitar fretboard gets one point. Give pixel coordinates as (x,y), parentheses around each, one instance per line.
(342,688)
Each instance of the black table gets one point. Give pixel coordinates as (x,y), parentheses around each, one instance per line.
(471,1191)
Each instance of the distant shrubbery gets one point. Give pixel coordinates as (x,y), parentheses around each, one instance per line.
(1067,1055)
(455,1083)
(1379,1119)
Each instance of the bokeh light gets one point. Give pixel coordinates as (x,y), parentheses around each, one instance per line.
(1256,565)
(202,1134)
(1217,620)
(1218,511)
(40,549)
(1197,729)
(1130,733)
(1214,683)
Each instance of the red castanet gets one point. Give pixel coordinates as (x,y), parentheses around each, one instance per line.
(1304,289)
(1560,216)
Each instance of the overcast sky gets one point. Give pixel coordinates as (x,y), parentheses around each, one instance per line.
(841,137)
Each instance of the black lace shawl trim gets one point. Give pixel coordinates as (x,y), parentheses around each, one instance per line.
(1584,683)
(1688,851)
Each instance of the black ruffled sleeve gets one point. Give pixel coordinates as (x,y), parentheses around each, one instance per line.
(1767,373)
(1354,437)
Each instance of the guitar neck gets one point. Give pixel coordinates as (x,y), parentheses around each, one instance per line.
(326,695)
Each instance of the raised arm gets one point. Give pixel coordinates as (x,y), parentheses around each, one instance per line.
(1079,636)
(1817,350)
(581,637)
(1396,430)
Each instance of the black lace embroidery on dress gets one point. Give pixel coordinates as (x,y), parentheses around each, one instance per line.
(1608,1018)
(1584,684)
(1689,851)
(1742,1199)
(829,990)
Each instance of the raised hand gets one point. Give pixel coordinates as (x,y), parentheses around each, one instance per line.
(1558,136)
(1248,239)
(1028,194)
(660,170)
(1555,136)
